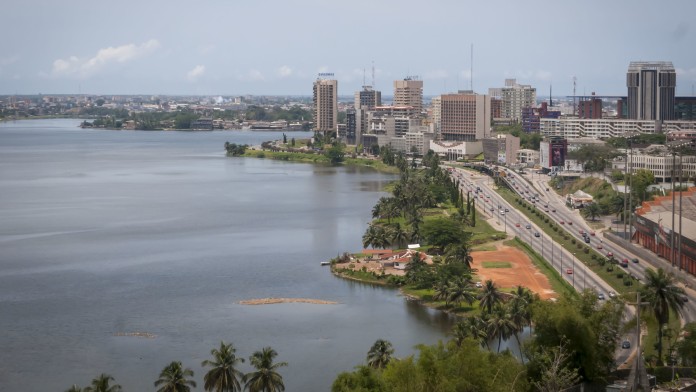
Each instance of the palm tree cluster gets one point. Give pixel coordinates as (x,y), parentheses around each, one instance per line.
(415,191)
(224,374)
(499,320)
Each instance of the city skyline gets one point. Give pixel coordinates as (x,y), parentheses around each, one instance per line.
(248,48)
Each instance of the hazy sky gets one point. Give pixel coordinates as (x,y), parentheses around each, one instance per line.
(232,47)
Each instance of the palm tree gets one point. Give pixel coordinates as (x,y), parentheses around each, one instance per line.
(500,324)
(460,290)
(591,211)
(74,388)
(266,377)
(399,236)
(380,354)
(490,296)
(101,384)
(459,253)
(224,376)
(368,238)
(174,378)
(460,331)
(441,289)
(478,329)
(662,295)
(518,312)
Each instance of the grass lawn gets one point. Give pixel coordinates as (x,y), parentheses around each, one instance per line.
(426,295)
(558,284)
(483,232)
(496,264)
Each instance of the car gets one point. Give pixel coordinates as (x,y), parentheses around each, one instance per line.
(562,222)
(624,263)
(592,233)
(537,234)
(479,284)
(587,240)
(547,189)
(553,210)
(609,254)
(582,232)
(612,294)
(599,246)
(626,344)
(546,206)
(502,213)
(569,271)
(517,225)
(507,210)
(570,223)
(492,209)
(685,299)
(634,260)
(600,296)
(528,226)
(546,210)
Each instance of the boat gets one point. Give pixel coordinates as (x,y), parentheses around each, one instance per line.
(325,263)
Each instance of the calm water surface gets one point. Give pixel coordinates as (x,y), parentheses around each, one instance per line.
(103,232)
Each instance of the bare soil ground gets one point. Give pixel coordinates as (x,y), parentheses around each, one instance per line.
(522,271)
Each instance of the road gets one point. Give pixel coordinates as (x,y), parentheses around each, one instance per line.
(539,185)
(516,223)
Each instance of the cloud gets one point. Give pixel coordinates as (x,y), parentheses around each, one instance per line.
(195,73)
(85,67)
(284,71)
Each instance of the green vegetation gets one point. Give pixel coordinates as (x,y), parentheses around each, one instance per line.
(441,367)
(527,140)
(593,157)
(640,139)
(496,264)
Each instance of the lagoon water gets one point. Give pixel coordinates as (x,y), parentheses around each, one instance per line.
(107,232)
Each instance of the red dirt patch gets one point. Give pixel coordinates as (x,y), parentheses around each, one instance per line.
(523,272)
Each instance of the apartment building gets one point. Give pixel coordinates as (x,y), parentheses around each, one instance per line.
(325,104)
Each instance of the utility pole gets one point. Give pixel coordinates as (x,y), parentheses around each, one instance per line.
(681,191)
(638,378)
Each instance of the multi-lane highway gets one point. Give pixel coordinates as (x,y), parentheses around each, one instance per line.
(574,272)
(573,223)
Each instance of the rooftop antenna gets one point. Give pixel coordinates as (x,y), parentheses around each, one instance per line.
(373,73)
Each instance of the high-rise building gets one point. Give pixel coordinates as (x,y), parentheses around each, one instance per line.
(325,103)
(367,98)
(590,108)
(464,116)
(651,87)
(436,105)
(516,97)
(409,92)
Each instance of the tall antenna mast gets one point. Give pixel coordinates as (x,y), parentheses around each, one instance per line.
(373,73)
(471,72)
(575,80)
(363,76)
(550,94)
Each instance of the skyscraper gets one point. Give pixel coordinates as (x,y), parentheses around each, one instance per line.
(325,103)
(409,92)
(651,88)
(464,116)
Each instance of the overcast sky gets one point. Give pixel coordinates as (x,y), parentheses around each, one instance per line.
(232,47)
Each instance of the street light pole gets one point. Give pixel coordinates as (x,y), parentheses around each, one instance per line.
(681,191)
(573,270)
